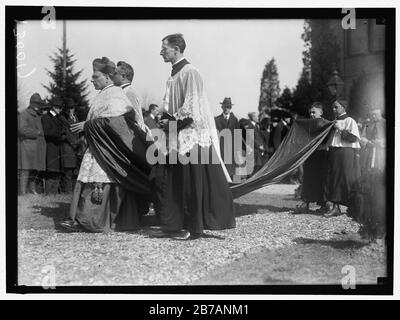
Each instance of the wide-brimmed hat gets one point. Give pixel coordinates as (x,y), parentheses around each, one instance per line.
(227,102)
(37,102)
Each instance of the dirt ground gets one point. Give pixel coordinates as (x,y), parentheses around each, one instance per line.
(270,245)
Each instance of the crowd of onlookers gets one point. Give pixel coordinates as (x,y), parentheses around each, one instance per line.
(49,153)
(269,131)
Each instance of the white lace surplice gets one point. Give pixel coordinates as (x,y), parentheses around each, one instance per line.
(185,97)
(110,102)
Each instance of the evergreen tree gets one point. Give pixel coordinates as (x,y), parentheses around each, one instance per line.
(302,95)
(71,87)
(285,100)
(269,88)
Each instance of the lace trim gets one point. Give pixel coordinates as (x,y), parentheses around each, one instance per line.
(91,171)
(199,132)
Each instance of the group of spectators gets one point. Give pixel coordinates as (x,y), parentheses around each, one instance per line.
(268,135)
(49,153)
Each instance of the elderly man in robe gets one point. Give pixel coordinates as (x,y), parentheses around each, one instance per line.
(99,204)
(192,196)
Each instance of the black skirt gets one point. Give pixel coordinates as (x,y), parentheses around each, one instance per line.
(314,178)
(193,196)
(343,172)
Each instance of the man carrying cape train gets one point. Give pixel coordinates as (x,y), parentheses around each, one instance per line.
(192,196)
(99,204)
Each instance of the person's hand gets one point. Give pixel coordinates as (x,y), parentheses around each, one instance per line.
(77,127)
(163,123)
(336,125)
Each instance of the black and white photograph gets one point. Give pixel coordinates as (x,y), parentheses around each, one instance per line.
(200,150)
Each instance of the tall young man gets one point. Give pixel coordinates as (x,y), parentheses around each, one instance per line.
(193,196)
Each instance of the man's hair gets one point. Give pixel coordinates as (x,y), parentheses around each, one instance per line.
(126,69)
(317,105)
(152,107)
(342,102)
(177,40)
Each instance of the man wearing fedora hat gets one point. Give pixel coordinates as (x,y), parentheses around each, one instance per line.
(53,133)
(32,143)
(227,121)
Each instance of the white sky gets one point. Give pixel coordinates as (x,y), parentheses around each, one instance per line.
(230,54)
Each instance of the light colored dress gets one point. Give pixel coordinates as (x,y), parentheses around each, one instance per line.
(110,102)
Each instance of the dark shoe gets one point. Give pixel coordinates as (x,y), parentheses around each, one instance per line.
(71,225)
(322,210)
(159,233)
(300,209)
(333,213)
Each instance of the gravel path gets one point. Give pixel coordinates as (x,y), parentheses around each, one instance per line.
(264,221)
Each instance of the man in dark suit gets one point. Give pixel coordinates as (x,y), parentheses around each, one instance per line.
(259,142)
(69,147)
(53,133)
(152,119)
(227,121)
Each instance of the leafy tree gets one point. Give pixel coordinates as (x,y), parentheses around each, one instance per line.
(320,58)
(269,88)
(71,87)
(325,59)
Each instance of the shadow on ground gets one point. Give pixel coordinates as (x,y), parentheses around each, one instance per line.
(57,213)
(249,209)
(334,243)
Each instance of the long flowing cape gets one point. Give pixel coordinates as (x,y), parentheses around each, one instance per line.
(303,138)
(119,147)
